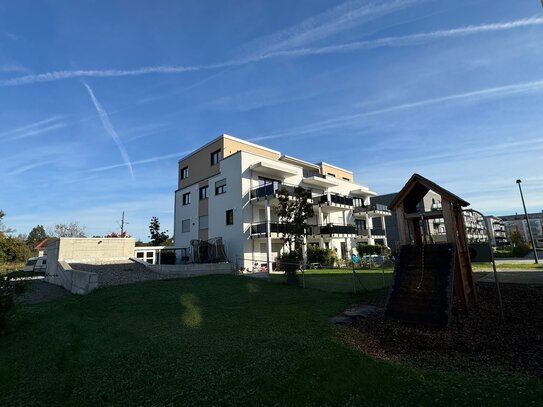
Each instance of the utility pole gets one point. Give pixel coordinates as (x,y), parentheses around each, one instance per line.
(528,222)
(122,226)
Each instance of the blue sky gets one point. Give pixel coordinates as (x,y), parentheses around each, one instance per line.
(99,99)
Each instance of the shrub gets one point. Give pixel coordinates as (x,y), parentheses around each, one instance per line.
(325,257)
(13,250)
(368,249)
(8,290)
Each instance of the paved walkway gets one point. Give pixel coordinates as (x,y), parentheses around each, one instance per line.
(513,277)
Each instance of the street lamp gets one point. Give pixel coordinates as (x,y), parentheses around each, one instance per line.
(528,222)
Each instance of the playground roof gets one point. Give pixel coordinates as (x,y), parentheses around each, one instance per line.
(414,191)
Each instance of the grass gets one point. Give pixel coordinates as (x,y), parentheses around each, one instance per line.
(507,266)
(7,268)
(216,340)
(342,280)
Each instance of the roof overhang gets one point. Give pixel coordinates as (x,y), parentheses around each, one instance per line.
(274,169)
(320,182)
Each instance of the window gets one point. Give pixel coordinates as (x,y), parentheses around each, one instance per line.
(185,226)
(204,192)
(230,217)
(215,157)
(203,222)
(186,198)
(220,187)
(184,172)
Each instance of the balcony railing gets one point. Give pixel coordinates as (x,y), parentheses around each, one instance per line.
(269,190)
(378,232)
(338,230)
(334,199)
(362,232)
(372,208)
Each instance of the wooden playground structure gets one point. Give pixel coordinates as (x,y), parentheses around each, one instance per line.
(431,280)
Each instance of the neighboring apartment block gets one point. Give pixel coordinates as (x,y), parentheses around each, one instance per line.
(498,231)
(227,188)
(518,222)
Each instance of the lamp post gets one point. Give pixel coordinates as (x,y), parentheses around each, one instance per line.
(528,222)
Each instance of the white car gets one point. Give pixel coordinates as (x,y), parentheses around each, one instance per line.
(36,264)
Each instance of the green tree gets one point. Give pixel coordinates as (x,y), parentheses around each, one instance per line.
(158,238)
(293,212)
(36,235)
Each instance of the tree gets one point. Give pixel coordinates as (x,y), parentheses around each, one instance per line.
(3,229)
(158,238)
(293,212)
(36,235)
(119,235)
(72,229)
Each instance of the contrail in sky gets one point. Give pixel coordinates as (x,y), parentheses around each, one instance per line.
(144,161)
(110,130)
(406,40)
(494,92)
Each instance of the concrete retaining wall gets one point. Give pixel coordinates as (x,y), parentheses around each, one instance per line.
(95,248)
(64,250)
(76,281)
(190,270)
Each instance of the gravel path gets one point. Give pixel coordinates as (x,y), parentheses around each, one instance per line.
(119,272)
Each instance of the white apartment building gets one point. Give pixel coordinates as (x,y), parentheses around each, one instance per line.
(497,230)
(227,188)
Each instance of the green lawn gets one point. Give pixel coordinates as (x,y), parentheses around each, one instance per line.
(343,280)
(508,266)
(217,340)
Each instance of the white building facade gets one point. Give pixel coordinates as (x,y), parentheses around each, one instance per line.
(227,189)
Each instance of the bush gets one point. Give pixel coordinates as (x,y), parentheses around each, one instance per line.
(368,249)
(13,250)
(8,290)
(325,257)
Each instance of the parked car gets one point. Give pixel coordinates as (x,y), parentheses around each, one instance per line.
(36,264)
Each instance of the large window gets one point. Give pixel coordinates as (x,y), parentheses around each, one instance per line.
(203,222)
(230,217)
(185,226)
(220,187)
(204,192)
(186,198)
(184,172)
(215,157)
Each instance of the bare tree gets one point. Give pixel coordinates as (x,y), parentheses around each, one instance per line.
(72,229)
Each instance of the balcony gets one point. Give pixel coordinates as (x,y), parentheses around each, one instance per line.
(318,180)
(269,191)
(378,232)
(332,229)
(274,169)
(336,201)
(373,209)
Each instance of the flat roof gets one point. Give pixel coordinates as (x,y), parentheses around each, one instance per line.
(229,137)
(334,166)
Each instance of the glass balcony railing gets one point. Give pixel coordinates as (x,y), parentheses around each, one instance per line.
(334,199)
(372,208)
(378,232)
(269,190)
